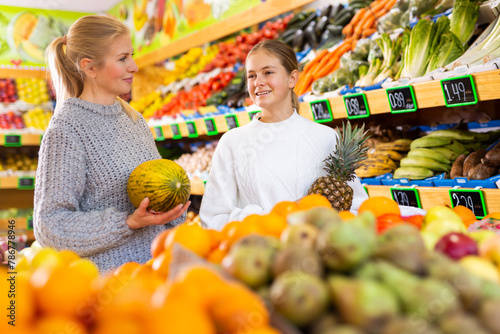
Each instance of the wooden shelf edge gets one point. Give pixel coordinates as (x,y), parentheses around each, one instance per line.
(27,139)
(12,182)
(21,73)
(255,15)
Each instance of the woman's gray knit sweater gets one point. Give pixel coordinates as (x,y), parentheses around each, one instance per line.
(81,202)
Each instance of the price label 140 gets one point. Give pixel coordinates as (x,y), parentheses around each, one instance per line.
(470,198)
(459,91)
(356,106)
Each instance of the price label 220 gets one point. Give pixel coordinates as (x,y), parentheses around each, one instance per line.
(321,111)
(356,106)
(470,198)
(406,196)
(459,91)
(401,99)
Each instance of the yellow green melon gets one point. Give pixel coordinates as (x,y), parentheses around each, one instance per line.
(163,181)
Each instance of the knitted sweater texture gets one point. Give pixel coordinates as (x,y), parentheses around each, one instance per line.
(260,164)
(81,201)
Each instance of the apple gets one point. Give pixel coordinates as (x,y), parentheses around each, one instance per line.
(440,227)
(481,268)
(440,213)
(456,245)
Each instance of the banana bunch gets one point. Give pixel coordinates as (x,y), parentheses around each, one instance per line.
(436,152)
(383,158)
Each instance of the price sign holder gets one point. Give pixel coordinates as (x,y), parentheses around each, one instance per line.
(470,198)
(29,223)
(211,126)
(12,141)
(321,111)
(176,132)
(356,106)
(402,99)
(252,114)
(26,183)
(192,131)
(159,133)
(459,91)
(406,196)
(232,121)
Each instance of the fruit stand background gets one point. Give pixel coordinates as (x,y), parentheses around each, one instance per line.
(26,32)
(154,23)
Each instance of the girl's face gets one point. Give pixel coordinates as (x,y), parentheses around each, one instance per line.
(269,84)
(115,76)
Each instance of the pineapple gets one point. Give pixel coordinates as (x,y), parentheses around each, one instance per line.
(340,166)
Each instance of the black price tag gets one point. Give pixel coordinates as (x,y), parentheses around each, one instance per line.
(26,183)
(211,126)
(252,114)
(401,99)
(232,122)
(13,141)
(192,132)
(321,111)
(356,106)
(29,223)
(459,91)
(176,132)
(471,199)
(406,196)
(159,133)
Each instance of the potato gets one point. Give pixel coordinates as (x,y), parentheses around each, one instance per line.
(492,158)
(458,166)
(481,172)
(472,160)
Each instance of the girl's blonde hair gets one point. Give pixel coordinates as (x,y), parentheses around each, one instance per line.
(286,56)
(89,37)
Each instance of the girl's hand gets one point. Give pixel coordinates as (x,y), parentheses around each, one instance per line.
(142,217)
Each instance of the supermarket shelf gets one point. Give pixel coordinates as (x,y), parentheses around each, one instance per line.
(20,139)
(17,182)
(434,196)
(21,73)
(255,15)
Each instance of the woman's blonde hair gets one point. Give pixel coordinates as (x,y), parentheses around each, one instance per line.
(89,37)
(286,56)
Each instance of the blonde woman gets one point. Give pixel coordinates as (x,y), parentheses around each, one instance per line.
(93,143)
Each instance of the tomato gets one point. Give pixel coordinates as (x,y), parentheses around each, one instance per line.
(416,220)
(388,220)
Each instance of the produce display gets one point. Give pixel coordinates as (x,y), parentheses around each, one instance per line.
(11,120)
(7,91)
(37,118)
(199,162)
(32,90)
(383,158)
(15,161)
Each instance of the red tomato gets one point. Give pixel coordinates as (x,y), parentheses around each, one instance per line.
(386,221)
(416,220)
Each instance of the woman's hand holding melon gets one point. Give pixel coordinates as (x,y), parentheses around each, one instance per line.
(143,217)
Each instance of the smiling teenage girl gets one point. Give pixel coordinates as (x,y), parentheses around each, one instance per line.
(278,155)
(93,143)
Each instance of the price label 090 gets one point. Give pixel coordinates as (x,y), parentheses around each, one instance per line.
(406,196)
(321,111)
(356,106)
(401,99)
(470,198)
(232,122)
(459,91)
(192,131)
(211,126)
(176,132)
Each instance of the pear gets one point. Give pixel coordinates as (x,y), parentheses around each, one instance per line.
(410,326)
(403,246)
(345,246)
(299,259)
(303,235)
(250,262)
(368,270)
(325,324)
(299,296)
(261,240)
(318,217)
(440,213)
(363,302)
(489,315)
(461,323)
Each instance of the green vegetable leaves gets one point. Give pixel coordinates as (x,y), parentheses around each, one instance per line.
(463,19)
(418,51)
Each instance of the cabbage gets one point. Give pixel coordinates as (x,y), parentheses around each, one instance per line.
(418,50)
(449,49)
(463,19)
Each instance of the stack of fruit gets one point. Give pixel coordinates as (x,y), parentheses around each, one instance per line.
(437,151)
(7,91)
(191,63)
(32,90)
(11,120)
(19,161)
(383,158)
(477,165)
(37,118)
(198,163)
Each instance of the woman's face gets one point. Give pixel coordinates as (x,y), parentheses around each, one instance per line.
(115,76)
(269,84)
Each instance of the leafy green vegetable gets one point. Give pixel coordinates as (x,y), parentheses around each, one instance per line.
(463,19)
(449,49)
(418,7)
(391,50)
(418,50)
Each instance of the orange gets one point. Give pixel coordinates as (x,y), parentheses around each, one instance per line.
(158,243)
(59,324)
(285,207)
(244,228)
(85,267)
(466,214)
(126,269)
(68,256)
(193,237)
(379,205)
(346,215)
(494,215)
(46,258)
(314,200)
(216,238)
(273,224)
(216,255)
(25,301)
(118,325)
(228,226)
(61,290)
(161,263)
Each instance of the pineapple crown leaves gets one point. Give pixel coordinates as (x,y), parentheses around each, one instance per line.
(349,152)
